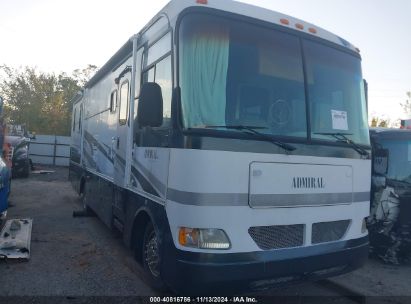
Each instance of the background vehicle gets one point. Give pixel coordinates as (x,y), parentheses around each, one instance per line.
(5,186)
(390,220)
(19,152)
(5,176)
(196,142)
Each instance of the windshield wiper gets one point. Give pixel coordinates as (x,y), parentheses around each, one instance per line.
(342,137)
(252,129)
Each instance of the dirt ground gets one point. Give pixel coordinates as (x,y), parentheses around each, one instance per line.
(80,257)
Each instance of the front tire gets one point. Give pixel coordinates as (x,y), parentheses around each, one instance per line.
(151,257)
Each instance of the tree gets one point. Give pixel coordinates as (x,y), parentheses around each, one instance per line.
(407,105)
(84,75)
(42,101)
(380,122)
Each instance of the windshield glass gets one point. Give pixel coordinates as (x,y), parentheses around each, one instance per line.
(399,159)
(238,74)
(337,98)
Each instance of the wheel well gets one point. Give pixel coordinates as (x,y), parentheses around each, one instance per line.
(139,226)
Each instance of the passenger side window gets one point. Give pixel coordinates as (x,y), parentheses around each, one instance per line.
(79,119)
(74,119)
(138,72)
(113,101)
(162,75)
(158,69)
(124,102)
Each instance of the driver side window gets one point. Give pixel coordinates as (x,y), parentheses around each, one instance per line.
(124,102)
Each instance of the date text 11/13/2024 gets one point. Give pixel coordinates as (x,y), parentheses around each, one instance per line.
(203,300)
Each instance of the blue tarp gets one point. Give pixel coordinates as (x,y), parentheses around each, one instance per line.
(4,185)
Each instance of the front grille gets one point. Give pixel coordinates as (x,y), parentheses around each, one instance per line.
(329,231)
(277,237)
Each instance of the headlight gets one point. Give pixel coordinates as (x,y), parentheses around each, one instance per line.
(203,238)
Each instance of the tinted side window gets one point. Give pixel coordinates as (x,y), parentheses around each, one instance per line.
(113,101)
(124,102)
(164,79)
(79,119)
(159,49)
(74,119)
(162,75)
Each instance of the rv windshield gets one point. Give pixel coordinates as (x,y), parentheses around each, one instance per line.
(399,159)
(238,74)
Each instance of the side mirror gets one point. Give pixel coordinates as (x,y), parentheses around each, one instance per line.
(380,162)
(150,106)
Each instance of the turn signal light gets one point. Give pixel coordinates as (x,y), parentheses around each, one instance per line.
(205,2)
(214,239)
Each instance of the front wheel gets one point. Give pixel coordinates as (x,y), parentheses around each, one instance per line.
(152,257)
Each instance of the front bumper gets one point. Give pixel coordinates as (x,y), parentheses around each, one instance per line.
(205,274)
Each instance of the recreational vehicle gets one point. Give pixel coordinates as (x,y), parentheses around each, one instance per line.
(229,144)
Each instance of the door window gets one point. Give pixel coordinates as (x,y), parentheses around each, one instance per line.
(124,102)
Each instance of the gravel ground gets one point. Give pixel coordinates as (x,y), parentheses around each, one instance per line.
(69,256)
(77,257)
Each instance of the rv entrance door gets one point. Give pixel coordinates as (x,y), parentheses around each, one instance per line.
(120,143)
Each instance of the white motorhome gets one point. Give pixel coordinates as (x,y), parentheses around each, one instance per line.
(229,144)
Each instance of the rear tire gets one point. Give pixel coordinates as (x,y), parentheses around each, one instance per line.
(151,257)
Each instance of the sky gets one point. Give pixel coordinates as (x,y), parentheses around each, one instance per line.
(64,35)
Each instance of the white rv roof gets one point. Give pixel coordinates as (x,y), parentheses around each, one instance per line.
(176,6)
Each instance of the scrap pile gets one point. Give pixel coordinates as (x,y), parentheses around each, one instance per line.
(390,225)
(15,239)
